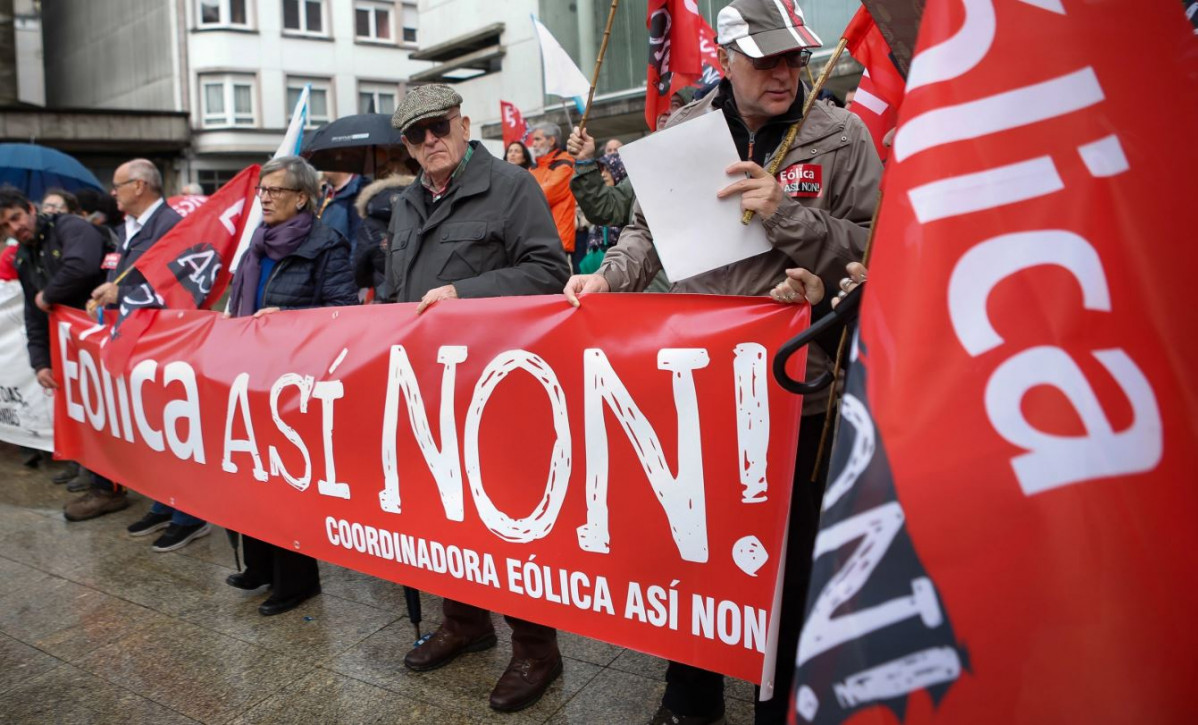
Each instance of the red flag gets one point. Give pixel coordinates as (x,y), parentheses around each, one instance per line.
(514,127)
(676,59)
(880,93)
(1008,535)
(189,267)
(187,203)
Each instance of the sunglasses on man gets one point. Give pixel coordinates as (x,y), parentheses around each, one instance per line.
(440,127)
(794,59)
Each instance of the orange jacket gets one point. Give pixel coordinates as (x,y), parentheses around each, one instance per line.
(553,172)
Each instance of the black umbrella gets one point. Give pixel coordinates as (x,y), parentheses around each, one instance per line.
(353,143)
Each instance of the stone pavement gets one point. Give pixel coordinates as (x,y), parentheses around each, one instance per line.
(95,627)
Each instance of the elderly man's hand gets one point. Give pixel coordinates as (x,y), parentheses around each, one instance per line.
(105,294)
(857,275)
(448,292)
(580,145)
(266,311)
(40,301)
(45,378)
(583,284)
(799,285)
(760,193)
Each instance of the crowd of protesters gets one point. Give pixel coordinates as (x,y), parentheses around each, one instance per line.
(560,216)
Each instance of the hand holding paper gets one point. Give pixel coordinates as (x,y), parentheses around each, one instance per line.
(760,193)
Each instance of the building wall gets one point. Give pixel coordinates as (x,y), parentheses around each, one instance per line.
(271,56)
(31,78)
(115,54)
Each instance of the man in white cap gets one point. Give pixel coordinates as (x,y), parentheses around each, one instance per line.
(816,214)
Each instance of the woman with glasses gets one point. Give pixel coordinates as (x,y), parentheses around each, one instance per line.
(293,262)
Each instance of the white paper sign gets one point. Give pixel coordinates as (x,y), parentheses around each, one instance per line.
(676,174)
(26,411)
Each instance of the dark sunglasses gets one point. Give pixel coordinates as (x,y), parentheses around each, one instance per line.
(440,128)
(794,59)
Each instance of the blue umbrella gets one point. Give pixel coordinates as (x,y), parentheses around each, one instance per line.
(33,169)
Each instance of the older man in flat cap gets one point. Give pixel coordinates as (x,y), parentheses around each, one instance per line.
(816,214)
(473,226)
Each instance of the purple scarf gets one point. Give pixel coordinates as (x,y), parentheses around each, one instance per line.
(275,242)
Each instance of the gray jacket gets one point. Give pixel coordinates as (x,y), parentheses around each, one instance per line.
(491,235)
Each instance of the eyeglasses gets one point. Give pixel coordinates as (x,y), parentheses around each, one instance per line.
(272,192)
(440,128)
(794,59)
(119,184)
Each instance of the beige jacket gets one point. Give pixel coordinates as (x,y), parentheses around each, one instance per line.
(822,233)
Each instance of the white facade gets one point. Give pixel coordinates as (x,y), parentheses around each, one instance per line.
(244,56)
(31,76)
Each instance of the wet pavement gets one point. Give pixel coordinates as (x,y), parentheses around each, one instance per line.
(95,627)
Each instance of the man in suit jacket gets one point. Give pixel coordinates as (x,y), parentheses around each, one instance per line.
(137,187)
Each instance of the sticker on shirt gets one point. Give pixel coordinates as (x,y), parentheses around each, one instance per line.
(802,180)
(111,260)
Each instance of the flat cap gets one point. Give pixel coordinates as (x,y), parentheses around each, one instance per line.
(421,102)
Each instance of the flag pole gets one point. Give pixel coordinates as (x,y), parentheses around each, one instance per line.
(611,16)
(833,396)
(793,132)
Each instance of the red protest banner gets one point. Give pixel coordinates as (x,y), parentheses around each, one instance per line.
(1008,536)
(625,482)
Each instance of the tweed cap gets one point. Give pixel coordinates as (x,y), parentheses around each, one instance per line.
(421,102)
(761,28)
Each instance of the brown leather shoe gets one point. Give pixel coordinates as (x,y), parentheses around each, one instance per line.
(95,503)
(444,647)
(524,682)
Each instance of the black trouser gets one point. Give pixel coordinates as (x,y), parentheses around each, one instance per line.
(692,691)
(100,483)
(289,572)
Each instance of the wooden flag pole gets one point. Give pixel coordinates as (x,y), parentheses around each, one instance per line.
(611,16)
(793,132)
(844,338)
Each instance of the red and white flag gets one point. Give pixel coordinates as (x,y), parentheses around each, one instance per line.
(880,93)
(676,55)
(1008,530)
(514,127)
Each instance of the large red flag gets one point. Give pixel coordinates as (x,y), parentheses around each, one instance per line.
(514,127)
(676,58)
(880,92)
(1008,532)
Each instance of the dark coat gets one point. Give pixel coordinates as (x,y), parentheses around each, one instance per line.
(160,222)
(491,235)
(63,263)
(317,274)
(374,206)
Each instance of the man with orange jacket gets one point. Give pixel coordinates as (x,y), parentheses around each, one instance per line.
(553,172)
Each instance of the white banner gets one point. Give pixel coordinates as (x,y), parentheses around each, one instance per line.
(26,411)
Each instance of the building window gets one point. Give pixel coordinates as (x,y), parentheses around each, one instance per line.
(212,179)
(372,21)
(319,100)
(228,100)
(410,24)
(223,13)
(304,16)
(376,98)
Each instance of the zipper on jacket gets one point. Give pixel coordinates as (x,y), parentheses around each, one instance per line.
(273,273)
(752,141)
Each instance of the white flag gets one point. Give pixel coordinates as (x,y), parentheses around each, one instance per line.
(293,140)
(562,76)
